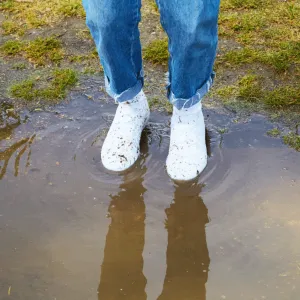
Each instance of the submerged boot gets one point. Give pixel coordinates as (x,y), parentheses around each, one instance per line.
(121,147)
(187,154)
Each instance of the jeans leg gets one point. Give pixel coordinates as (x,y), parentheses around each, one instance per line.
(191,26)
(114,27)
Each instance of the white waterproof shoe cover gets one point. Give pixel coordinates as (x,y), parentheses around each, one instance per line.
(187,154)
(121,147)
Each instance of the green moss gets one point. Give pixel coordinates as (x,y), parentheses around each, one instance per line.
(238,57)
(71,8)
(41,12)
(292,140)
(250,88)
(93,70)
(64,78)
(11,47)
(282,97)
(247,3)
(6,5)
(223,130)
(9,27)
(227,91)
(56,88)
(168,107)
(157,52)
(89,70)
(33,19)
(268,30)
(77,58)
(40,50)
(280,59)
(24,90)
(156,102)
(275,132)
(19,66)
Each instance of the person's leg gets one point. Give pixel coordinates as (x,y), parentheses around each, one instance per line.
(114,27)
(192,29)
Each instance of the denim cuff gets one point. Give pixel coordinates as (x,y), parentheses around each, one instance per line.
(180,103)
(128,94)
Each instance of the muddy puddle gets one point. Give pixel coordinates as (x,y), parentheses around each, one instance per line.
(71,230)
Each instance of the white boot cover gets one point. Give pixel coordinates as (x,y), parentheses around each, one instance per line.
(121,147)
(187,154)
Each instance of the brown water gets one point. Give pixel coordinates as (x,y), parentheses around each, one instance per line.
(71,230)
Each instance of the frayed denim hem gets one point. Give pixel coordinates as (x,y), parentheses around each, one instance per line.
(181,103)
(128,94)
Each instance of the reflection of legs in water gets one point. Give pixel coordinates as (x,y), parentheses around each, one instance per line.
(187,253)
(122,269)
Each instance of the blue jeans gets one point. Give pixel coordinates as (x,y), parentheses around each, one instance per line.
(191,26)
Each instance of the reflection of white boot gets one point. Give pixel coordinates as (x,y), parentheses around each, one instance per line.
(121,147)
(187,155)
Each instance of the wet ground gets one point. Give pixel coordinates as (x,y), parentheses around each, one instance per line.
(71,230)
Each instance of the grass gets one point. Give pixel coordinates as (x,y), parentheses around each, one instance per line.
(283,97)
(39,51)
(70,8)
(247,88)
(261,56)
(238,57)
(92,70)
(246,3)
(84,57)
(280,60)
(157,52)
(226,92)
(38,13)
(158,103)
(90,62)
(250,89)
(266,32)
(30,89)
(292,140)
(6,5)
(78,58)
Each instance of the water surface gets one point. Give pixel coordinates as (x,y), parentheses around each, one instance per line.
(71,230)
